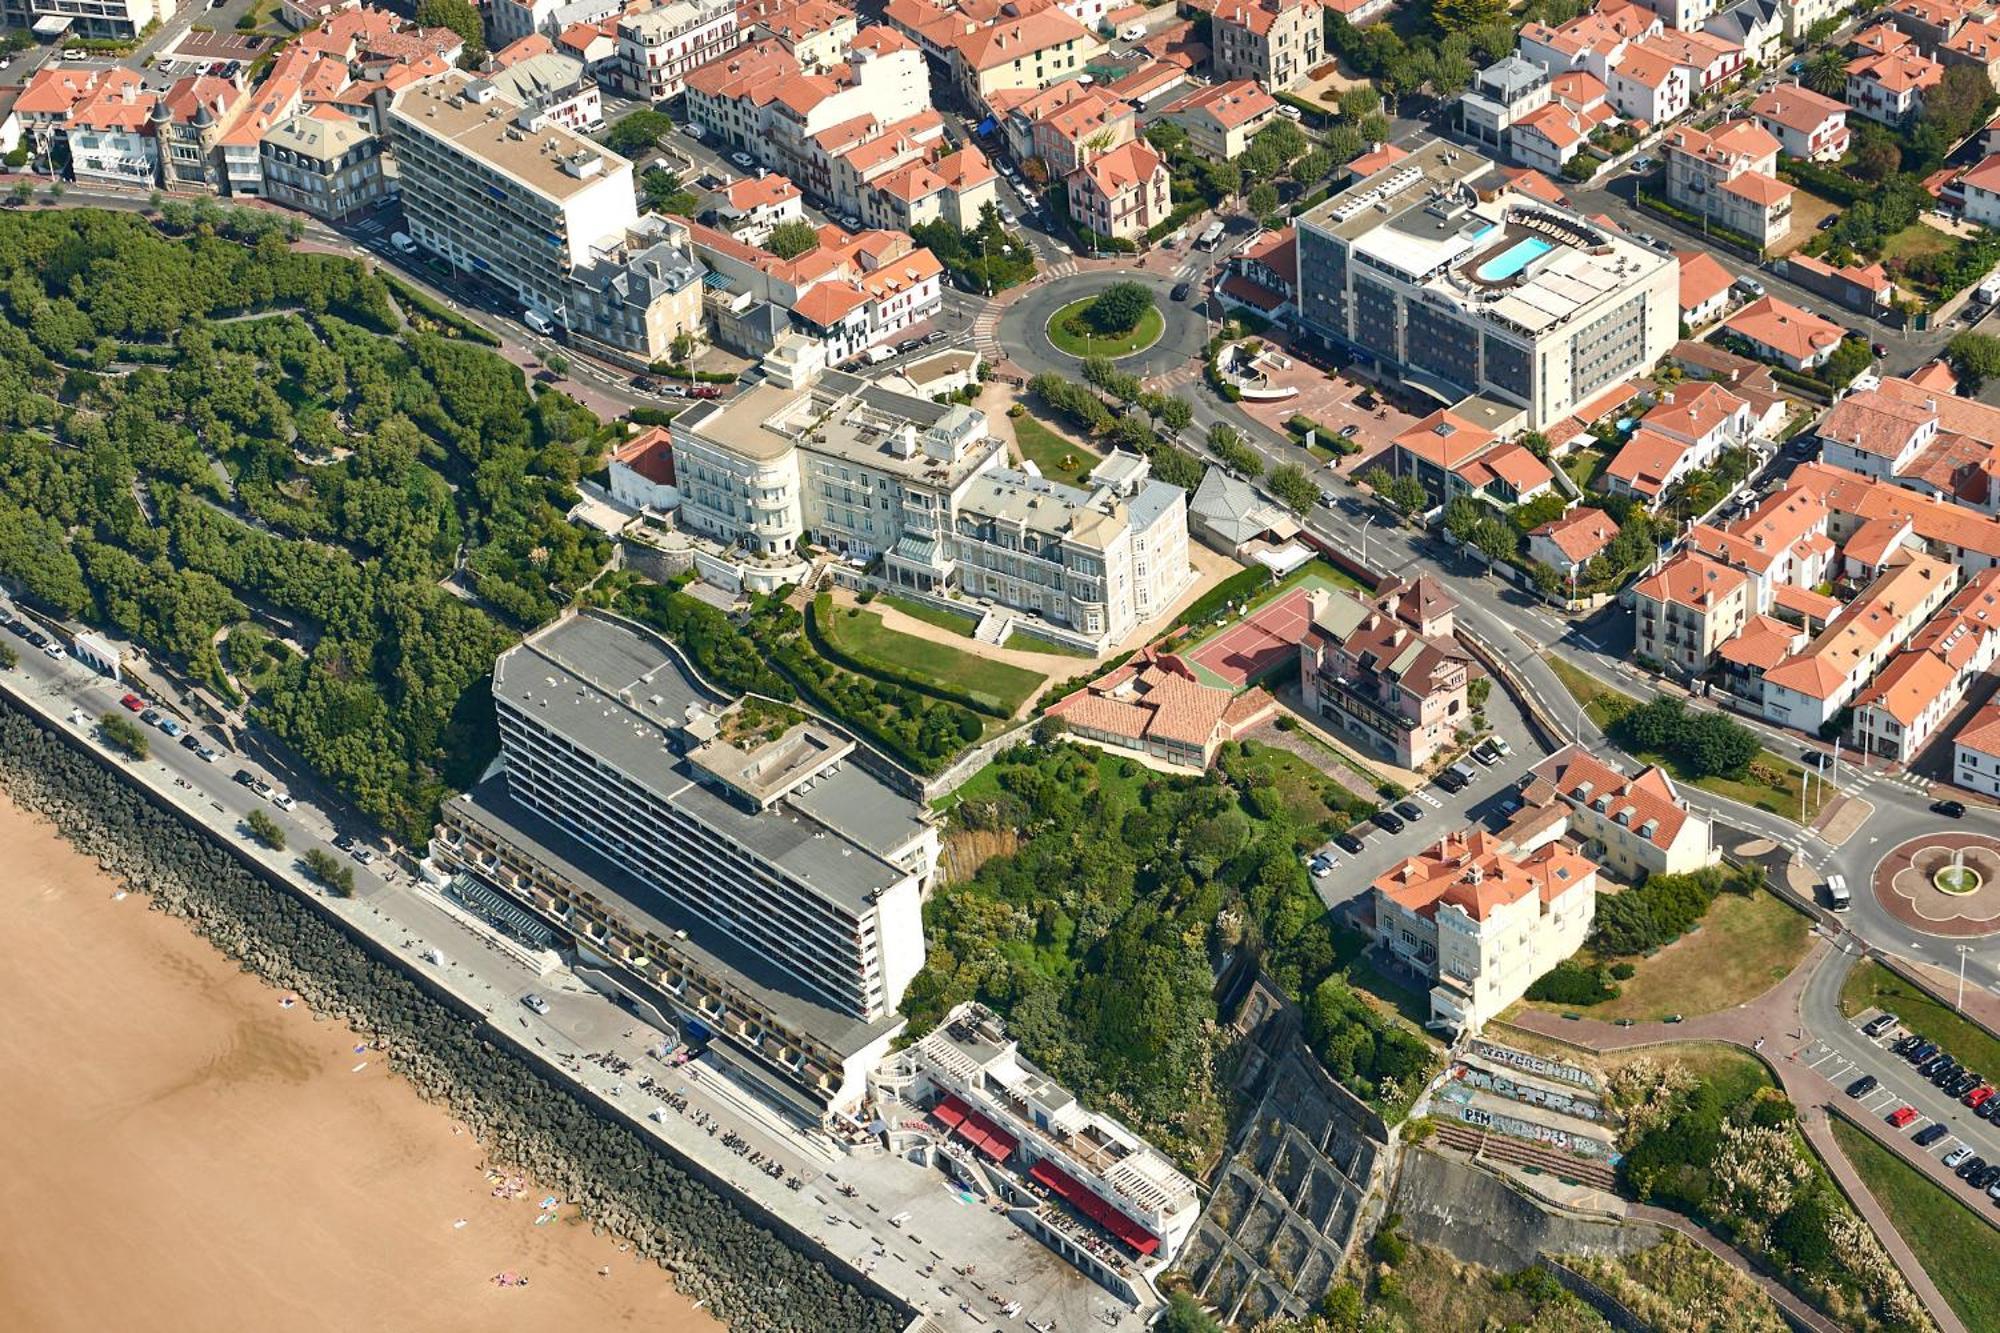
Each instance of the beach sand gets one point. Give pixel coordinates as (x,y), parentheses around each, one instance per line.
(178,1151)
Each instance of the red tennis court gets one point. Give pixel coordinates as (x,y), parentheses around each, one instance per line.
(1263,639)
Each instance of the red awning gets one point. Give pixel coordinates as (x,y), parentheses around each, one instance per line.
(1067,1188)
(949,1112)
(987,1137)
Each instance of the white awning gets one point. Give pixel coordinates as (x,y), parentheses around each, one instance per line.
(53,25)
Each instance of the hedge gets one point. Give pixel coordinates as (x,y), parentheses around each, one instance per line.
(1236,587)
(1712,230)
(798,670)
(457,324)
(1182,212)
(653,416)
(1318,115)
(1831,184)
(864,665)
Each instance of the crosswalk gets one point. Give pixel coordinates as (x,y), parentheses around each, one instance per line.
(985,335)
(1062,270)
(1176,377)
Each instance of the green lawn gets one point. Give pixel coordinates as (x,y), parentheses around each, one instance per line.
(1772,784)
(955,621)
(1069,333)
(1743,947)
(1914,240)
(1120,776)
(1585,466)
(1955,1246)
(1028,643)
(864,638)
(1058,458)
(1873,986)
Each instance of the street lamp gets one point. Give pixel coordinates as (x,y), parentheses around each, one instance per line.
(1963,950)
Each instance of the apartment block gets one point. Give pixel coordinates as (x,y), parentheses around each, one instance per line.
(1222,120)
(1686,431)
(125,19)
(324,164)
(1438,273)
(658,46)
(1123,193)
(1274,43)
(738,876)
(1807,126)
(839,299)
(1728,177)
(1482,922)
(1976,752)
(1899,713)
(494,187)
(1637,826)
(1373,675)
(1688,609)
(1809,688)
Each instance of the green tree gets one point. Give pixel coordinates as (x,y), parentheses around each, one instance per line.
(462,18)
(1357,103)
(1465,15)
(1119,308)
(1263,200)
(1826,73)
(264,829)
(1405,495)
(789,240)
(123,735)
(1185,1315)
(1975,357)
(639,132)
(329,870)
(1176,414)
(660,192)
(1227,444)
(1293,487)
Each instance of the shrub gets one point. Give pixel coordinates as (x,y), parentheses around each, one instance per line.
(264,829)
(123,735)
(1623,971)
(1571,982)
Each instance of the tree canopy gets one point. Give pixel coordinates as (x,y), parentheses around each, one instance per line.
(1119,308)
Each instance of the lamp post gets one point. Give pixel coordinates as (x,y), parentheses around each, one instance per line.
(1963,950)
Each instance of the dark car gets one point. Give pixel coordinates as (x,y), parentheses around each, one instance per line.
(1920,1052)
(1387,819)
(1879,350)
(245,778)
(1971,1167)
(1181,291)
(1949,809)
(1450,781)
(1986,1177)
(1862,1086)
(1410,810)
(1988,1109)
(909,344)
(1817,759)
(1903,1044)
(1826,223)
(343,841)
(1348,843)
(1945,1073)
(642,384)
(1925,1137)
(190,741)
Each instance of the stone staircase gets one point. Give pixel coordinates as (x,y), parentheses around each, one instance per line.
(994,626)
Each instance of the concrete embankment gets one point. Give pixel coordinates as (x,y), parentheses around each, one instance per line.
(748,1270)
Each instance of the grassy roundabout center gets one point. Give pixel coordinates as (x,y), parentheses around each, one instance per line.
(1963,879)
(1070,333)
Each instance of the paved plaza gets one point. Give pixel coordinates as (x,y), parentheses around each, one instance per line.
(1944,883)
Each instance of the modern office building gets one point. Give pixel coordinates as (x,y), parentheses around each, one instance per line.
(727,865)
(1440,275)
(496,188)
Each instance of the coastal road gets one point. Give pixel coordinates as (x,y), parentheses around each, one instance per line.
(585,1034)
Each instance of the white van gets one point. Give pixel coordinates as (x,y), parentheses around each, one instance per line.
(403,242)
(537,321)
(1837,896)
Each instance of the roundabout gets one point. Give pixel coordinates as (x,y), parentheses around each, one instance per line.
(1024,328)
(1069,330)
(1943,884)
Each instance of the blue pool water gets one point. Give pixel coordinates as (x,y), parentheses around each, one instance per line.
(1513,259)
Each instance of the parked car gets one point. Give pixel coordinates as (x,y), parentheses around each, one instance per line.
(283,800)
(1410,810)
(1387,819)
(149,716)
(1979,1096)
(1450,781)
(1987,1109)
(1348,843)
(1320,867)
(1828,222)
(1466,771)
(190,741)
(1928,1135)
(1864,1085)
(535,1002)
(245,778)
(1878,1025)
(1949,809)
(208,754)
(132,703)
(743,160)
(1818,759)
(1902,1116)
(1181,290)
(1484,755)
(1956,1158)
(171,727)
(1971,1167)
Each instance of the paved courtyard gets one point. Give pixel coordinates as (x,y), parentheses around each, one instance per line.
(1331,401)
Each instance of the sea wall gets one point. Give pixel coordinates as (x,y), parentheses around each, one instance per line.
(719,1248)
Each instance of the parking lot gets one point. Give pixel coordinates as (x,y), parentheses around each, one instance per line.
(1941,1133)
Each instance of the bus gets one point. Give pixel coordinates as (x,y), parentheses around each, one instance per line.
(1210,235)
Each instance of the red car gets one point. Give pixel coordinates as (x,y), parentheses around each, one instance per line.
(1902,1116)
(1979,1096)
(134,703)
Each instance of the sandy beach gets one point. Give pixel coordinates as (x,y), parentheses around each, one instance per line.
(182,1152)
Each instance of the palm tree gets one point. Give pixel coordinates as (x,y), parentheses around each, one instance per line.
(1827,73)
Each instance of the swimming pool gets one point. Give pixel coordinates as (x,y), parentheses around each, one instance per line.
(1513,259)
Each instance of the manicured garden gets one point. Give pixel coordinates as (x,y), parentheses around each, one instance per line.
(859,639)
(955,621)
(1955,1247)
(1058,457)
(1118,321)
